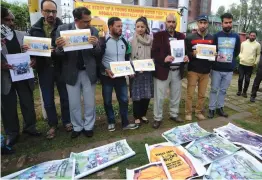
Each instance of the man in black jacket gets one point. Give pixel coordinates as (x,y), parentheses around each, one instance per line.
(198,69)
(257,81)
(49,69)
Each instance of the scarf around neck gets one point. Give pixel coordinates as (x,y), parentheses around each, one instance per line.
(141,47)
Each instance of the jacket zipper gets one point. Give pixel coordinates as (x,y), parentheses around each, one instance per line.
(116,51)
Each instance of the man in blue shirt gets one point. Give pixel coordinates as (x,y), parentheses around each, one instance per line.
(228,48)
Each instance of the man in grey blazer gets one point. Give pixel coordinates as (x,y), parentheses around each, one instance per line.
(10,90)
(79,70)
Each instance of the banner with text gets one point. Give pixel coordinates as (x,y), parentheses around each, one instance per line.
(128,13)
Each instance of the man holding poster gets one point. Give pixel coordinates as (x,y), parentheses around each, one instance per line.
(79,71)
(167,74)
(228,47)
(198,69)
(49,69)
(10,90)
(114,49)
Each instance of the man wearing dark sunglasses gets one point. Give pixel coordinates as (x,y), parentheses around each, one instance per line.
(49,69)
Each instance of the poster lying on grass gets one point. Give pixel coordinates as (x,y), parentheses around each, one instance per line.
(151,171)
(184,134)
(93,160)
(249,140)
(57,169)
(180,164)
(240,165)
(211,148)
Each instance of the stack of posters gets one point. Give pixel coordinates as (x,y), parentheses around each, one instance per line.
(184,134)
(21,69)
(58,169)
(180,164)
(151,171)
(240,165)
(211,148)
(93,160)
(249,140)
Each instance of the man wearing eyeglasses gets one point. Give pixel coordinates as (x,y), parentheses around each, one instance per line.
(49,69)
(79,69)
(167,74)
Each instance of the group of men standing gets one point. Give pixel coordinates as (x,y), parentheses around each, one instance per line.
(75,73)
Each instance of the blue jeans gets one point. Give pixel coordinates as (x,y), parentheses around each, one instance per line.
(220,82)
(47,79)
(120,86)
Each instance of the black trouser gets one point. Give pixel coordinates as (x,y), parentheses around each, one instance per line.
(244,72)
(256,83)
(140,108)
(9,108)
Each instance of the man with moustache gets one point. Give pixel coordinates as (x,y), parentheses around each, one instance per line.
(49,69)
(10,91)
(114,49)
(79,71)
(198,69)
(167,74)
(249,57)
(228,48)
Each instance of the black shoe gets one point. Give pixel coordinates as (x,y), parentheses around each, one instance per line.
(238,93)
(88,133)
(244,95)
(156,124)
(11,140)
(32,133)
(252,99)
(75,134)
(7,150)
(220,112)
(211,114)
(177,119)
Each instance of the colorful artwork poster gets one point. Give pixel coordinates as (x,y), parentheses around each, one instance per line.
(57,169)
(144,65)
(205,51)
(184,134)
(76,39)
(93,160)
(177,50)
(180,164)
(38,46)
(121,68)
(151,171)
(211,148)
(240,165)
(226,47)
(249,140)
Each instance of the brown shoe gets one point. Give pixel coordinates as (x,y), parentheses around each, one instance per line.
(200,116)
(188,117)
(156,124)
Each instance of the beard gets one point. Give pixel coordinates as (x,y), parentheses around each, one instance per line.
(251,40)
(171,29)
(116,33)
(227,29)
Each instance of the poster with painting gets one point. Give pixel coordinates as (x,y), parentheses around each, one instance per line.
(38,46)
(93,160)
(121,68)
(226,47)
(21,69)
(177,50)
(239,165)
(180,164)
(249,140)
(184,134)
(57,169)
(211,148)
(144,65)
(76,39)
